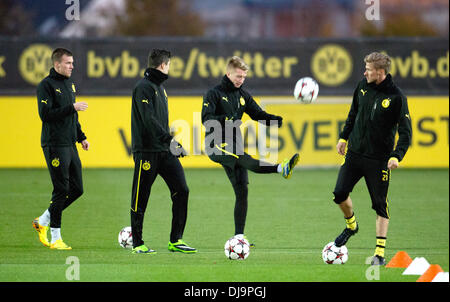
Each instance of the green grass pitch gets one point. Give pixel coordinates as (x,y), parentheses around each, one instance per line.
(289,221)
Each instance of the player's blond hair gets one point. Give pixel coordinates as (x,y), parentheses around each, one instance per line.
(236,62)
(379,60)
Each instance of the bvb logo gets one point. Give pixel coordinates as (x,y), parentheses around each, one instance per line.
(146,166)
(55,162)
(35,62)
(331,65)
(386,103)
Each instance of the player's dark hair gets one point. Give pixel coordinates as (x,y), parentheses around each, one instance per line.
(58,53)
(157,57)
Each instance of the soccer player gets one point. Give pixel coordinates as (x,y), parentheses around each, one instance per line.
(379,110)
(156,153)
(223,106)
(60,131)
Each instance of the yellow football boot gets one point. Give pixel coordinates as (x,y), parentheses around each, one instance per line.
(42,231)
(59,245)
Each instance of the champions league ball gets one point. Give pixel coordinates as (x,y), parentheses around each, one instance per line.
(125,238)
(331,254)
(306,90)
(237,248)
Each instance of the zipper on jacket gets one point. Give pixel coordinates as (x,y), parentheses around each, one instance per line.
(373,110)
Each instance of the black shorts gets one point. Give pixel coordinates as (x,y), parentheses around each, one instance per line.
(375,173)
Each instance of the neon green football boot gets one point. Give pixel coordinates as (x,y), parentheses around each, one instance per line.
(288,166)
(142,249)
(182,247)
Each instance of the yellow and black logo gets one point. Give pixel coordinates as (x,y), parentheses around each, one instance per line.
(146,166)
(55,162)
(385,103)
(385,175)
(363,92)
(331,65)
(35,62)
(242,101)
(73,88)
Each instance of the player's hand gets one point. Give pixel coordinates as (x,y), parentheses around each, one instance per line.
(279,119)
(177,149)
(341,147)
(80,106)
(85,145)
(392,164)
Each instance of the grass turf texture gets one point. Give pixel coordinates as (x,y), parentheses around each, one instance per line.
(290,221)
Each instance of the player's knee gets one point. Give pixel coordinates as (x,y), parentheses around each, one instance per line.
(182,193)
(241,191)
(340,196)
(381,211)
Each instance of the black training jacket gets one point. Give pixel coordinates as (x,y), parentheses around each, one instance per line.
(377,113)
(55,97)
(225,102)
(150,114)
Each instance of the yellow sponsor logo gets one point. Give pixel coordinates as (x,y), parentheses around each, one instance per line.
(331,65)
(363,92)
(197,63)
(145,101)
(58,90)
(44,101)
(73,88)
(225,99)
(35,62)
(312,131)
(242,101)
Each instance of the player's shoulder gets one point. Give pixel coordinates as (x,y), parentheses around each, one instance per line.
(144,85)
(394,90)
(362,83)
(214,92)
(45,83)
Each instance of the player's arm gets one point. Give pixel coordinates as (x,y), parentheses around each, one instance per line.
(349,123)
(45,100)
(404,132)
(351,117)
(257,114)
(144,100)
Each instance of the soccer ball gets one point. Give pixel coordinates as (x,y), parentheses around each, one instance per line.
(331,254)
(237,248)
(306,90)
(125,238)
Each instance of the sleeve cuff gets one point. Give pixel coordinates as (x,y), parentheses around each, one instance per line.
(341,140)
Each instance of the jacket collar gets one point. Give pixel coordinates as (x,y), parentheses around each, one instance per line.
(155,76)
(227,85)
(386,83)
(57,76)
